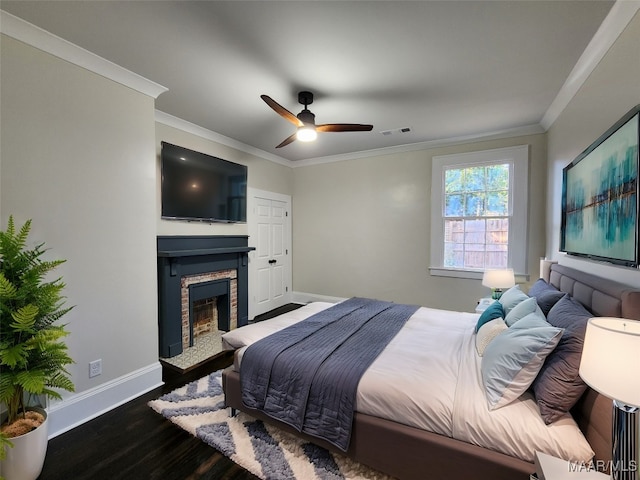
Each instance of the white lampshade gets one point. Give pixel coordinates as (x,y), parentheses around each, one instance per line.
(611,351)
(499,278)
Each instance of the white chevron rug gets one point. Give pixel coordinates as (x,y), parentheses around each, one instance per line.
(265,451)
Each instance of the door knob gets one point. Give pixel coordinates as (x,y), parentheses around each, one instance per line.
(272,261)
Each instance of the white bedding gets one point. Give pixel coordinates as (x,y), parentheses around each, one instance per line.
(429,377)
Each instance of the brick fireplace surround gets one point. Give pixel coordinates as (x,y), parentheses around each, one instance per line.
(229,280)
(191,260)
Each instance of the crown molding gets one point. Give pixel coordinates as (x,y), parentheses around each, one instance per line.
(412,147)
(621,13)
(185,126)
(36,37)
(180,124)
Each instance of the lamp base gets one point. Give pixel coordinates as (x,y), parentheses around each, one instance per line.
(625,463)
(496,293)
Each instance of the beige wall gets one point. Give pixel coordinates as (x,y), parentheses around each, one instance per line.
(610,91)
(361,227)
(78,157)
(261,174)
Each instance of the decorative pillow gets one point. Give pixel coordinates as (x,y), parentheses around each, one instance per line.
(488,332)
(558,386)
(492,311)
(514,358)
(540,286)
(511,298)
(521,310)
(547,299)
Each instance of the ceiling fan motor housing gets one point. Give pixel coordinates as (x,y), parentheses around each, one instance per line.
(306,117)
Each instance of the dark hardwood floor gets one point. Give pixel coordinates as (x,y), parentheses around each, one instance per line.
(134,442)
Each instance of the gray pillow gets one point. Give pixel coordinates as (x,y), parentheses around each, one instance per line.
(546,295)
(547,299)
(558,386)
(540,286)
(512,359)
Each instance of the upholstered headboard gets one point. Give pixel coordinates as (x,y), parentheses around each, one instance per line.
(603,298)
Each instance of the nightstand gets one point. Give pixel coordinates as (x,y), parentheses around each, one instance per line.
(552,468)
(483,303)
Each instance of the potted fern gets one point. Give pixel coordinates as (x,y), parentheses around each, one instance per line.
(32,354)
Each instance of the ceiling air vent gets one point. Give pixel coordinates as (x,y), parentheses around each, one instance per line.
(396,130)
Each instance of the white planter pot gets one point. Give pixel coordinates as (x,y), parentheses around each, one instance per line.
(25,460)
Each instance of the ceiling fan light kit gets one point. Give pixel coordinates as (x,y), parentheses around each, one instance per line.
(307,130)
(306,134)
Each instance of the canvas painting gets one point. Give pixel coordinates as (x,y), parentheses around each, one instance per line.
(600,201)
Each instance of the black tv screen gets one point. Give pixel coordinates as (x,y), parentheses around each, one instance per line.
(200,187)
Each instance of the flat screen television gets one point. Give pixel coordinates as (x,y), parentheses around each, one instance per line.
(600,197)
(200,187)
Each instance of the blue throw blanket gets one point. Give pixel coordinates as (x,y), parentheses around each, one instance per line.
(306,375)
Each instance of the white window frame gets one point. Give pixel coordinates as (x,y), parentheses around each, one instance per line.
(518,160)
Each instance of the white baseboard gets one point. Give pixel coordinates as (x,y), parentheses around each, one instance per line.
(78,409)
(303,297)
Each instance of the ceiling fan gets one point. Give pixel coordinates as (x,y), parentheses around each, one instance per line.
(305,121)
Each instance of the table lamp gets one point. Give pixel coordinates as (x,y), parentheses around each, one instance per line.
(498,280)
(611,350)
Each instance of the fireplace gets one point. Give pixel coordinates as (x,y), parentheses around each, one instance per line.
(209,303)
(202,286)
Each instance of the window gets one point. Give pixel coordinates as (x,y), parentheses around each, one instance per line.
(479,212)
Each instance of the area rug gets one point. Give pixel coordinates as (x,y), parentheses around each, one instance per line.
(266,451)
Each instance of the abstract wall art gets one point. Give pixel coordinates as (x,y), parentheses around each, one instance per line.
(600,197)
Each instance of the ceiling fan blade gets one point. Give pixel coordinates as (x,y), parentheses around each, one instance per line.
(343,127)
(287,140)
(279,109)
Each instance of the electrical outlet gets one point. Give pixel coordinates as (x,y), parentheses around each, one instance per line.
(95,368)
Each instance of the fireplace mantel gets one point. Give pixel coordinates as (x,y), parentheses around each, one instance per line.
(203,251)
(180,256)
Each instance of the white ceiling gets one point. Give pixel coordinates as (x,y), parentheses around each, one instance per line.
(445,69)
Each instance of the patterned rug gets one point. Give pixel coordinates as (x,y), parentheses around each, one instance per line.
(265,451)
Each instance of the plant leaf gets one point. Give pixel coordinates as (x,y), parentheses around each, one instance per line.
(8,290)
(25,318)
(14,355)
(32,381)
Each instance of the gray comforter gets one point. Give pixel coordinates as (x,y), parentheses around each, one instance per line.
(306,375)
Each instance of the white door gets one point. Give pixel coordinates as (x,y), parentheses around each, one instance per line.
(270,264)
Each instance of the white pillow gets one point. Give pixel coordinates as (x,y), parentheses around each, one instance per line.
(513,359)
(488,332)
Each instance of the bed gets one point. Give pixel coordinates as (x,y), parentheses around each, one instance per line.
(407,449)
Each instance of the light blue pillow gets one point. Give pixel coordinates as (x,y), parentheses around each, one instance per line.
(513,359)
(521,310)
(511,298)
